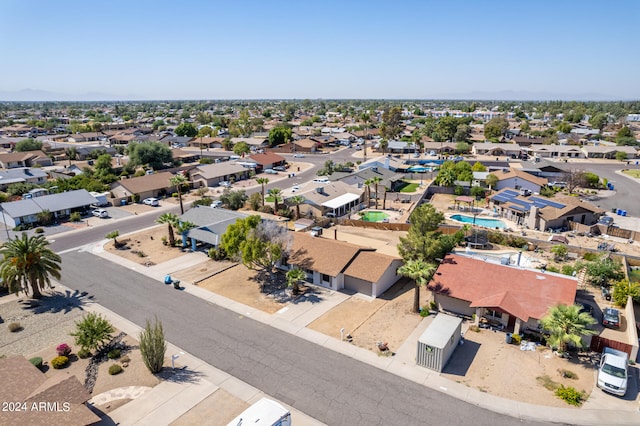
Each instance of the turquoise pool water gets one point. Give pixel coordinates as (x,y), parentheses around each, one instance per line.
(373,216)
(487,223)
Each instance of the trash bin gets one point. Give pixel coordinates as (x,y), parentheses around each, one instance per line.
(508,338)
(613,210)
(123,202)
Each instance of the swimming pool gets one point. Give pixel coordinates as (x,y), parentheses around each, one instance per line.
(373,216)
(486,223)
(420,169)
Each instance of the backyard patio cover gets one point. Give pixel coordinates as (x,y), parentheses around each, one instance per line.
(464,199)
(341,200)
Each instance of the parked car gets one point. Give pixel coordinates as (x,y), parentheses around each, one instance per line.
(611,317)
(270,172)
(612,374)
(298,155)
(154,202)
(606,220)
(321,180)
(280,168)
(558,184)
(295,188)
(225,184)
(216,204)
(102,213)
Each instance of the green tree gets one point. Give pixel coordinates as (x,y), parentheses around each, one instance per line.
(447,127)
(113,235)
(478,167)
(391,123)
(103,168)
(205,131)
(621,156)
(262,181)
(264,247)
(236,234)
(186,129)
(28,264)
(422,240)
(171,219)
(603,271)
(375,181)
(234,200)
(155,154)
(496,128)
(71,153)
(45,217)
(296,200)
(294,277)
(525,127)
(622,290)
(183,227)
(463,132)
(255,201)
(28,145)
(178,180)
(566,324)
(598,121)
(276,193)
(560,252)
(625,137)
(241,148)
(153,346)
(93,331)
(384,145)
(564,127)
(280,135)
(421,273)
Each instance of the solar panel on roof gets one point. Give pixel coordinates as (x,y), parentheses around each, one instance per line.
(548,202)
(500,198)
(521,209)
(510,193)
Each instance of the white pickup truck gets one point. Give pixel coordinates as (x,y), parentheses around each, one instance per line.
(612,375)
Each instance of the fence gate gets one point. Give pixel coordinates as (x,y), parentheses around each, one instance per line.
(599,343)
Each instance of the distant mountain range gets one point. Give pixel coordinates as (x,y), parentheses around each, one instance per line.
(35,95)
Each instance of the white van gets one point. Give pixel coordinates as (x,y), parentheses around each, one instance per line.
(265,412)
(321,180)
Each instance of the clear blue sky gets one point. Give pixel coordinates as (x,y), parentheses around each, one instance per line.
(188,49)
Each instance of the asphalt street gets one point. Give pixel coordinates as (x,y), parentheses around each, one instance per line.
(328,386)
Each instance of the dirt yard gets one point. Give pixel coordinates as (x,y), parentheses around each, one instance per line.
(486,362)
(385,319)
(145,247)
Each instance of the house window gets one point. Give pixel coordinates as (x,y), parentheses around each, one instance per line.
(493,313)
(326,278)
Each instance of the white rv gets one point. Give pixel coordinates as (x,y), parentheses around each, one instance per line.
(265,412)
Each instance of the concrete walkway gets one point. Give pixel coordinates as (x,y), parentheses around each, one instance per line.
(169,400)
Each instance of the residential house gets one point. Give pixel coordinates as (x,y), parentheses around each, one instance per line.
(340,265)
(439,148)
(212,174)
(185,156)
(497,149)
(254,143)
(609,151)
(556,151)
(517,179)
(141,187)
(206,143)
(398,147)
(34,175)
(267,160)
(333,199)
(512,296)
(385,162)
(543,213)
(24,159)
(211,224)
(87,137)
(24,385)
(26,211)
(176,140)
(388,179)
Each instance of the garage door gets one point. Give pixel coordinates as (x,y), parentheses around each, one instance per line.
(357,285)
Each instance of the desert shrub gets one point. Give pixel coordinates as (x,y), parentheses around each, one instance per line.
(568,374)
(266,209)
(36,361)
(115,369)
(474,328)
(551,268)
(140,253)
(217,253)
(590,257)
(59,362)
(75,217)
(174,195)
(63,349)
(125,359)
(547,382)
(204,201)
(39,231)
(433,305)
(424,312)
(153,346)
(516,339)
(568,270)
(14,327)
(570,395)
(113,354)
(84,353)
(92,331)
(285,212)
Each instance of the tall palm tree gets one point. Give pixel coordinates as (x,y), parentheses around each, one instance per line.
(113,235)
(262,181)
(368,184)
(294,277)
(566,324)
(177,181)
(376,180)
(27,265)
(171,219)
(420,272)
(72,154)
(275,193)
(296,200)
(183,227)
(384,144)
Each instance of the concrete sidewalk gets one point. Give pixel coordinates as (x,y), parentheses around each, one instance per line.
(293,319)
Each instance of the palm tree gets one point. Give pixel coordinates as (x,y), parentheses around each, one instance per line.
(28,262)
(275,193)
(376,180)
(491,180)
(296,200)
(447,177)
(384,144)
(262,181)
(420,272)
(72,153)
(567,325)
(177,181)
(294,277)
(113,235)
(368,184)
(183,228)
(171,219)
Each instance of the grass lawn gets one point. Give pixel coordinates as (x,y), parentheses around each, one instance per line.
(634,275)
(410,187)
(632,173)
(271,199)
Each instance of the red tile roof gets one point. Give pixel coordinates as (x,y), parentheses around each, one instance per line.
(267,158)
(520,292)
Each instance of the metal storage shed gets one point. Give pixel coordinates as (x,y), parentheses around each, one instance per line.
(439,340)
